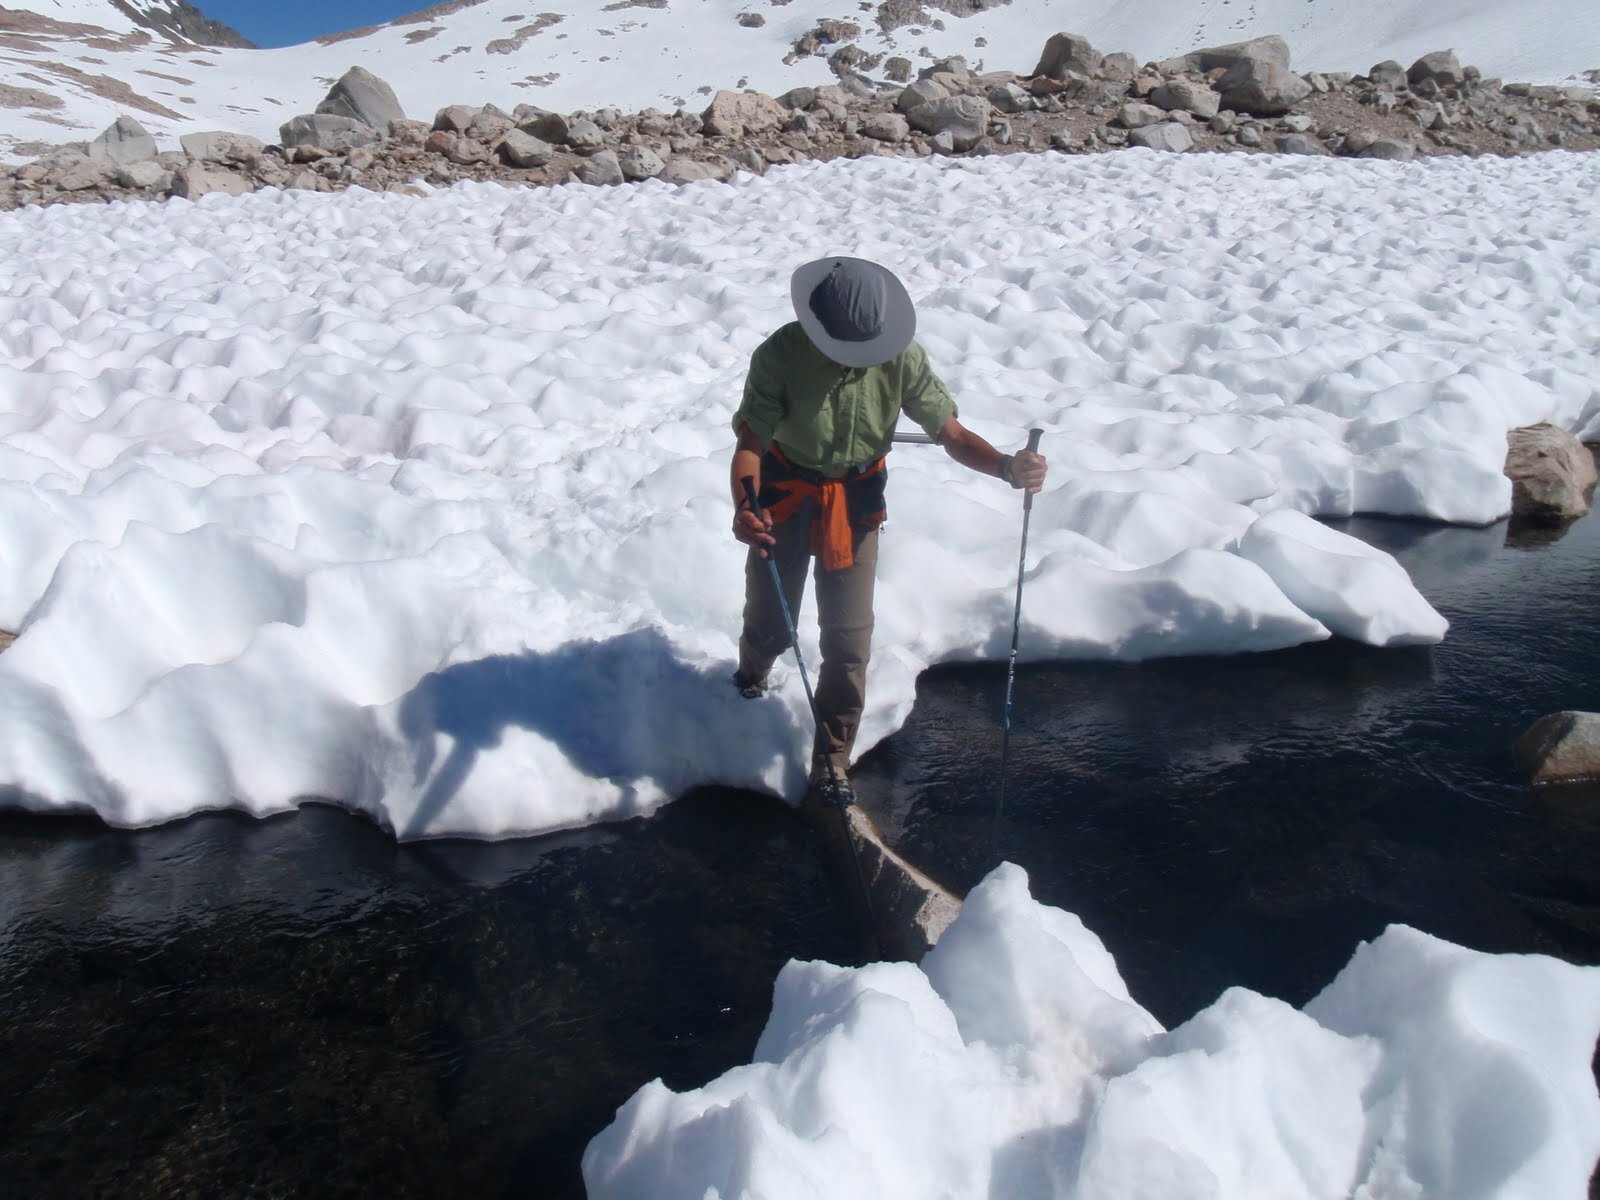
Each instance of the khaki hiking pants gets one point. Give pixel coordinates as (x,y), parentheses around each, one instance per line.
(844,612)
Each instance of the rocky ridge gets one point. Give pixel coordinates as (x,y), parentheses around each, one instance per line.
(1242,98)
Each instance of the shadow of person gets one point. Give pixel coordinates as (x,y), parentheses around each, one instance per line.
(626,710)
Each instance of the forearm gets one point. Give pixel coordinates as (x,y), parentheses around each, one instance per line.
(970,450)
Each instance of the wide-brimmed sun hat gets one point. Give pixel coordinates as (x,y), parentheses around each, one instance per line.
(854,311)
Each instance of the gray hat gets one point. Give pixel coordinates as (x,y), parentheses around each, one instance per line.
(854,311)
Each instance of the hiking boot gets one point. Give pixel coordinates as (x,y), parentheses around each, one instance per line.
(834,792)
(750,689)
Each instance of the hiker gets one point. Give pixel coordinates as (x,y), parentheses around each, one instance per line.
(820,405)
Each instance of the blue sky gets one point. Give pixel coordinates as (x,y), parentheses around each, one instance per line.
(290,22)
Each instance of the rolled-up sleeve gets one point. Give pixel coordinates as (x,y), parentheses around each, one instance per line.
(763,405)
(924,397)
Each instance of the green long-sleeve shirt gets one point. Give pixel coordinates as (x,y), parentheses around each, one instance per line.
(830,418)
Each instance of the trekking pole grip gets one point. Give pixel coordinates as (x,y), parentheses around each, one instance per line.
(749,483)
(1033,448)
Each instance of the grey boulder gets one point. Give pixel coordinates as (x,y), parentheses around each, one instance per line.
(524,150)
(1441,67)
(337,134)
(1184,95)
(600,170)
(1389,150)
(1169,136)
(641,162)
(1262,89)
(1066,52)
(362,96)
(1552,474)
(198,180)
(1271,49)
(964,118)
(123,143)
(221,147)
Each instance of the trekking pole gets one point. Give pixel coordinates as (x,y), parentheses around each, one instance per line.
(749,483)
(1016,628)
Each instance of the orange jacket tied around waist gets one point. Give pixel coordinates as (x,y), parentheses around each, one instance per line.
(839,506)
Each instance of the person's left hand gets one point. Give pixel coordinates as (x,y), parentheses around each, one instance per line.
(1028,470)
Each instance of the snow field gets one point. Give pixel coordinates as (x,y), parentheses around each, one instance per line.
(420,504)
(1013,1063)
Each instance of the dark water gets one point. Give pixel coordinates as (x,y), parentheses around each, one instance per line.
(1248,820)
(299,1007)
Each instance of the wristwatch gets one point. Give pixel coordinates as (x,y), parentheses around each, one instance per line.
(1004,469)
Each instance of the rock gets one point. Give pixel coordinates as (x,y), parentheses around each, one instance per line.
(942,143)
(466,152)
(1183,95)
(1170,136)
(1442,67)
(1298,123)
(198,180)
(80,173)
(1388,75)
(1552,474)
(455,119)
(144,176)
(737,114)
(1068,52)
(751,160)
(585,135)
(964,118)
(409,132)
(1120,65)
(954,66)
(522,149)
(600,170)
(798,98)
(1138,116)
(1271,49)
(1563,747)
(123,143)
(489,126)
(641,162)
(332,133)
(923,91)
(897,70)
(362,96)
(1298,143)
(1250,135)
(687,170)
(222,147)
(1262,89)
(549,127)
(1224,123)
(886,127)
(1008,98)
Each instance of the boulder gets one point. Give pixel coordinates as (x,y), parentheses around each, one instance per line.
(197,179)
(144,176)
(1552,474)
(923,91)
(454,119)
(1298,143)
(1184,95)
(80,173)
(221,147)
(641,162)
(886,127)
(1271,49)
(362,96)
(735,114)
(333,133)
(1169,136)
(1009,98)
(585,135)
(1442,67)
(521,149)
(1120,65)
(1068,52)
(1387,75)
(467,152)
(489,126)
(687,170)
(1138,116)
(1262,89)
(964,118)
(1388,149)
(1562,747)
(600,170)
(123,143)
(549,127)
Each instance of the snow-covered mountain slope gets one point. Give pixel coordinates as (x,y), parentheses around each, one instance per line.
(69,67)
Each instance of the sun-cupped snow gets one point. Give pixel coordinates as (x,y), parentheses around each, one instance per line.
(420,504)
(1013,1062)
(70,85)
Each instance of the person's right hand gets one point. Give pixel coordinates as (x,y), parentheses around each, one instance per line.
(752,530)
